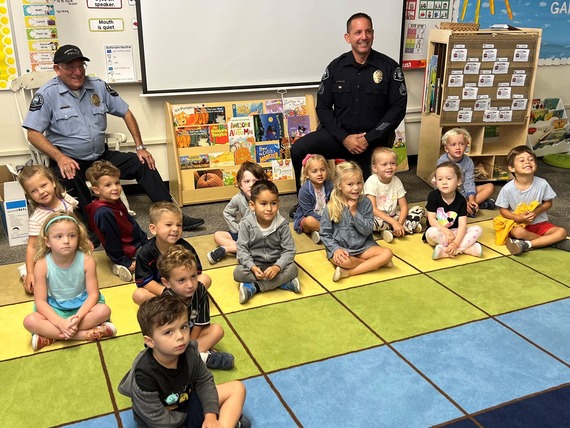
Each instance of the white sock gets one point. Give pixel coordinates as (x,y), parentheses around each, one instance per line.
(204,355)
(529,244)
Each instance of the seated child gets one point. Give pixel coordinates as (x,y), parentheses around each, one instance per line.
(46,196)
(314,194)
(447,217)
(177,269)
(168,383)
(67,302)
(388,197)
(265,247)
(524,201)
(455,142)
(247,175)
(166,226)
(118,231)
(347,224)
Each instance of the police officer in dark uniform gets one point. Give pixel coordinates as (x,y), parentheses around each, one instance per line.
(360,102)
(71,109)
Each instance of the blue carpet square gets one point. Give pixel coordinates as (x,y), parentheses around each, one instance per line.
(483,364)
(362,389)
(263,408)
(546,325)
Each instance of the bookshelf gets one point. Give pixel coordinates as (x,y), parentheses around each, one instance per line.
(202,170)
(482,81)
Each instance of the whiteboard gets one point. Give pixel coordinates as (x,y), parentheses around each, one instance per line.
(219,45)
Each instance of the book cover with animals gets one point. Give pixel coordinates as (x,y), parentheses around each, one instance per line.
(268,127)
(295,106)
(274,106)
(297,126)
(192,136)
(282,169)
(285,148)
(247,109)
(219,133)
(241,135)
(267,152)
(198,115)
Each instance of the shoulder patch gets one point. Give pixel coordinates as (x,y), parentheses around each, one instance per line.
(325,74)
(403,90)
(111,91)
(398,75)
(321,89)
(37,102)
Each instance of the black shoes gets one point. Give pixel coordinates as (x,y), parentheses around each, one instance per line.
(189,223)
(293,211)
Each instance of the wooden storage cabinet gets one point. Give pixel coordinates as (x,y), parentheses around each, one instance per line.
(182,181)
(482,81)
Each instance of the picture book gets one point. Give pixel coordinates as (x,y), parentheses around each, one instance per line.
(285,148)
(268,127)
(274,106)
(219,133)
(229,177)
(268,172)
(241,135)
(198,115)
(297,126)
(192,136)
(247,109)
(221,159)
(267,152)
(295,106)
(282,169)
(208,178)
(194,161)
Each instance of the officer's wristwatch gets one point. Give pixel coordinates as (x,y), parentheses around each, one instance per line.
(141,147)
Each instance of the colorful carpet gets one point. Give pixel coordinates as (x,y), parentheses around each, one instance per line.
(466,342)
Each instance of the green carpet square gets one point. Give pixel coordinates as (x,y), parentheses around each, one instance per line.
(550,261)
(407,307)
(306,330)
(53,388)
(501,285)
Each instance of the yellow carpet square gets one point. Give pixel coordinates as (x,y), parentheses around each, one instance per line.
(317,265)
(488,237)
(11,288)
(123,309)
(303,242)
(204,244)
(224,291)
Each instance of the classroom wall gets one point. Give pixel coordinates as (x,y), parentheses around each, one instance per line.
(550,82)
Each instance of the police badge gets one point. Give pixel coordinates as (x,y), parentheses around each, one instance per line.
(377,76)
(95,100)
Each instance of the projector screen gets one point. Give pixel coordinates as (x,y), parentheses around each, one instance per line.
(224,45)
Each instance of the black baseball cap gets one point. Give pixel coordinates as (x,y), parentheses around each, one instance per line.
(68,53)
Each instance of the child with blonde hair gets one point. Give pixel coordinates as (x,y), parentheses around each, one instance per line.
(315,191)
(347,225)
(447,217)
(247,175)
(455,143)
(68,305)
(46,196)
(388,197)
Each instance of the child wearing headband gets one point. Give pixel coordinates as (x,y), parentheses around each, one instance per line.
(68,305)
(315,191)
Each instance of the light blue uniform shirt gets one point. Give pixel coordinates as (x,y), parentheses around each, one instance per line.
(75,125)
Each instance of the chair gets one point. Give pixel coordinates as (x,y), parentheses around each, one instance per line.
(24,88)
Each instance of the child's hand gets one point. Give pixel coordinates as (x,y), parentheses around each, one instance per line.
(451,249)
(68,327)
(472,208)
(29,283)
(450,236)
(257,272)
(211,421)
(272,271)
(340,257)
(352,204)
(398,229)
(529,217)
(133,266)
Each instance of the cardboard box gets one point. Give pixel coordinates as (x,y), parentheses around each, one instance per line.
(13,206)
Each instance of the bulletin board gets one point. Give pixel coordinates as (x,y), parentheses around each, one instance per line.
(104,30)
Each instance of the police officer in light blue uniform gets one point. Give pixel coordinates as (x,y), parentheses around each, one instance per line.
(67,121)
(361,101)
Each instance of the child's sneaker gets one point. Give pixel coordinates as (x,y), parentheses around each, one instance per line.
(474,250)
(387,236)
(562,245)
(219,360)
(418,229)
(38,342)
(339,273)
(439,252)
(216,255)
(517,246)
(489,204)
(243,422)
(316,237)
(246,291)
(101,331)
(122,272)
(388,264)
(294,285)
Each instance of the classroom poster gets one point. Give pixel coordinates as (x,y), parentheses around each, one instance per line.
(8,70)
